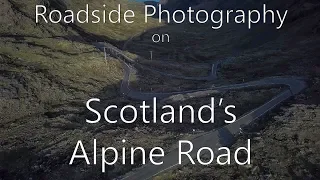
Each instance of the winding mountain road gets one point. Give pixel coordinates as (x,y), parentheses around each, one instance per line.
(224,136)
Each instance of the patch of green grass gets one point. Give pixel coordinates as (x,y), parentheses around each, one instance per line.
(62,45)
(73,62)
(121,31)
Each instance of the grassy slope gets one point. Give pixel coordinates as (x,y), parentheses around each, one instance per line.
(26,11)
(122,31)
(35,52)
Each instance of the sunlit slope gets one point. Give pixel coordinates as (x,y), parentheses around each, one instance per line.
(19,18)
(122,31)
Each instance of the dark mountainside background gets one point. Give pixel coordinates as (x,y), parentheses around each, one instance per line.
(49,71)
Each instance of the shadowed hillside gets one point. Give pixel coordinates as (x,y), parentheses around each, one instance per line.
(48,72)
(285,143)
